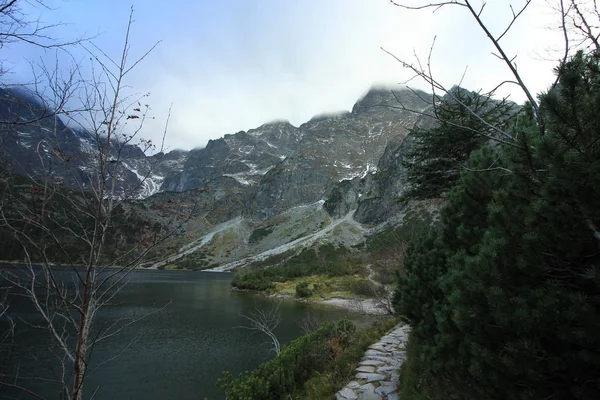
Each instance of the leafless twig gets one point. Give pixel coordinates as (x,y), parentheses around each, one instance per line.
(265,321)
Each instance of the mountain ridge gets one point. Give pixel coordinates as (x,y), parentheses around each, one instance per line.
(293,182)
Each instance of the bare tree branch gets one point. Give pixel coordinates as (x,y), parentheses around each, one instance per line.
(265,321)
(477,15)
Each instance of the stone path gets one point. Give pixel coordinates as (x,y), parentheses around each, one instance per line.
(378,372)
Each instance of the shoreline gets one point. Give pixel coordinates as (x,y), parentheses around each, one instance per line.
(370,306)
(364,306)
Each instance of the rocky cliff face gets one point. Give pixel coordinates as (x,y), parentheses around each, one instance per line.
(335,149)
(282,166)
(382,191)
(244,156)
(375,197)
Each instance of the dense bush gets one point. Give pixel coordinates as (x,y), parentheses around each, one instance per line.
(253,280)
(341,370)
(292,367)
(259,234)
(505,300)
(302,290)
(363,287)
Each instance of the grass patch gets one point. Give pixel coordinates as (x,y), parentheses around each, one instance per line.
(322,287)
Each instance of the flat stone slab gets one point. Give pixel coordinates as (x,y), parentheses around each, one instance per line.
(383,349)
(376,353)
(353,385)
(384,370)
(385,389)
(346,394)
(372,362)
(365,368)
(367,392)
(384,360)
(380,366)
(370,377)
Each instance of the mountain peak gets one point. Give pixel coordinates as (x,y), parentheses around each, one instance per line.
(376,97)
(278,123)
(277,127)
(379,97)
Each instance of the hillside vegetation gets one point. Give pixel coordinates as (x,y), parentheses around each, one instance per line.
(314,367)
(320,272)
(44,215)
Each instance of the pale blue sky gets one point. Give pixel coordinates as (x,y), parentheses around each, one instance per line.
(234,65)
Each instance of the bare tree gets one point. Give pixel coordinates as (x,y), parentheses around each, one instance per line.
(265,321)
(580,27)
(76,225)
(17,26)
(477,14)
(579,23)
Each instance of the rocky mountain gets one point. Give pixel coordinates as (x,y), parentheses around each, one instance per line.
(282,166)
(246,196)
(376,197)
(264,194)
(244,156)
(37,143)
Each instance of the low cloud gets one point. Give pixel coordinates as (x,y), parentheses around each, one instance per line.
(235,65)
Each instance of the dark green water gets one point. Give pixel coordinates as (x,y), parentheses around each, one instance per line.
(180,351)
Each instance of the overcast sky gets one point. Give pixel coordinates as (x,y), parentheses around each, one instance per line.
(234,65)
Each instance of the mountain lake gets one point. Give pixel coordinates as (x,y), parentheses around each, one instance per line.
(190,332)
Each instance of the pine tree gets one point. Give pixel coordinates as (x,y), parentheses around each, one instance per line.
(517,303)
(440,153)
(423,295)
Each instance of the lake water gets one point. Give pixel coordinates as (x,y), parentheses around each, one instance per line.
(180,351)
